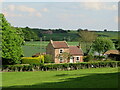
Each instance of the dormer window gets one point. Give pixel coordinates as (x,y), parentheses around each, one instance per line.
(61,51)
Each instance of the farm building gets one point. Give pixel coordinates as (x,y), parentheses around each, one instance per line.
(113,54)
(56,48)
(47,32)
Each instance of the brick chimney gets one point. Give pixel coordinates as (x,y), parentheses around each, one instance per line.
(79,45)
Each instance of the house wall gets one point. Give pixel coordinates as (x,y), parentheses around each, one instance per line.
(50,50)
(57,53)
(80,58)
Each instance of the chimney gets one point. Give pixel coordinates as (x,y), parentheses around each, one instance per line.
(79,46)
(51,40)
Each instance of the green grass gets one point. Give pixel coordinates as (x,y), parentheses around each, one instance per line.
(110,34)
(61,36)
(83,78)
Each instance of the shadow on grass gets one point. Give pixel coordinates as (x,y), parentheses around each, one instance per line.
(109,80)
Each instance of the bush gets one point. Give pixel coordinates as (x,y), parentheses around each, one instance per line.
(33,60)
(99,57)
(88,58)
(48,58)
(63,66)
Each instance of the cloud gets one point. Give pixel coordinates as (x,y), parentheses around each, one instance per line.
(26,9)
(21,8)
(12,14)
(45,10)
(38,14)
(99,6)
(11,7)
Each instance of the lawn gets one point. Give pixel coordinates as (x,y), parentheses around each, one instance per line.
(82,78)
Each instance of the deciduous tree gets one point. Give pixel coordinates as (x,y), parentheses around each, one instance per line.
(87,37)
(101,45)
(11,43)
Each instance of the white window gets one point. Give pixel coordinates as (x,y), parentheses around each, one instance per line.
(61,51)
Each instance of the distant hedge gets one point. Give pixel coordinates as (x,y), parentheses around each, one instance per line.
(65,66)
(33,60)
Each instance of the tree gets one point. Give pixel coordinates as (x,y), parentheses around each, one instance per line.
(48,58)
(87,37)
(101,45)
(11,43)
(105,30)
(65,56)
(79,30)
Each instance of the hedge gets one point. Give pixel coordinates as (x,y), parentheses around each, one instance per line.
(64,66)
(33,60)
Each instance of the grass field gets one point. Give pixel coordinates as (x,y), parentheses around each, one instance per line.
(82,78)
(74,36)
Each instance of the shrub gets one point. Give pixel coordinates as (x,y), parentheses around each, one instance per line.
(33,60)
(63,66)
(48,58)
(88,58)
(99,57)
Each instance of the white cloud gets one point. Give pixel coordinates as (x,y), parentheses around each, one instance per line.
(45,9)
(12,14)
(25,9)
(99,6)
(38,14)
(11,7)
(21,8)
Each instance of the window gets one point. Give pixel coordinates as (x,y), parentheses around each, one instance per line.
(61,59)
(77,58)
(61,51)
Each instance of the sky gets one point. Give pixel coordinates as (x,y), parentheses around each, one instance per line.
(64,15)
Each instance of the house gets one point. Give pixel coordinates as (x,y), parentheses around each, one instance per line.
(56,48)
(111,52)
(38,54)
(47,32)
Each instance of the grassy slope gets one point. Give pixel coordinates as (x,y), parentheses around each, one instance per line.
(83,78)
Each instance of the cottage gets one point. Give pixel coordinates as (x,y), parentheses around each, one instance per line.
(56,48)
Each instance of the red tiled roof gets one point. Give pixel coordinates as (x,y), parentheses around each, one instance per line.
(74,50)
(112,52)
(59,44)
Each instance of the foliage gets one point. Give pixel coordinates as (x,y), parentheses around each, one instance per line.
(48,58)
(65,56)
(63,66)
(101,45)
(11,43)
(33,60)
(88,58)
(29,34)
(87,37)
(99,57)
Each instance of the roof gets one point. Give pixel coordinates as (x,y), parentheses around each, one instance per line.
(112,52)
(59,44)
(74,50)
(38,54)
